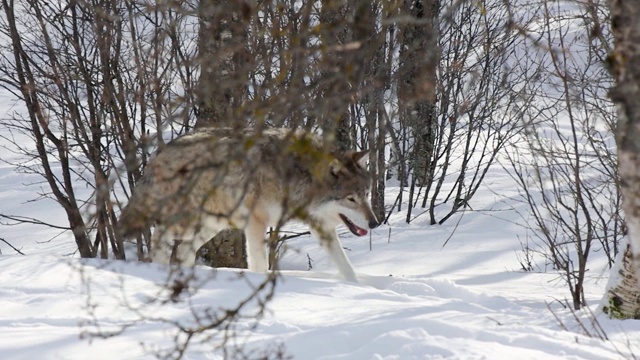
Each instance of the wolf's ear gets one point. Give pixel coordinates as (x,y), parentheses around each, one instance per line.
(361,158)
(335,166)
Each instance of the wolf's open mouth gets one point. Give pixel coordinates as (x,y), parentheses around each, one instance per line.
(355,229)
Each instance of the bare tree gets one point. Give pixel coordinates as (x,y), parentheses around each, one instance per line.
(95,84)
(569,177)
(475,108)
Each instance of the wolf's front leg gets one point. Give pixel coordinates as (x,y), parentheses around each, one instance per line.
(329,239)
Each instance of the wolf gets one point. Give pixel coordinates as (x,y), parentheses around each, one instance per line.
(215,179)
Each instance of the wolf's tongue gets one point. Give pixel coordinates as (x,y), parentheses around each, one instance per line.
(355,229)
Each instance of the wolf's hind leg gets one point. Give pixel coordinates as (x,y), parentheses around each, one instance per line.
(256,250)
(328,238)
(160,246)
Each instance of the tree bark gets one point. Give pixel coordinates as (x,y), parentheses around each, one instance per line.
(220,94)
(336,87)
(222,37)
(623,299)
(419,58)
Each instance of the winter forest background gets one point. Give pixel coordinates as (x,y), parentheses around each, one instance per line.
(491,124)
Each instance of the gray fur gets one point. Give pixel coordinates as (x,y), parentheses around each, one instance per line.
(214,179)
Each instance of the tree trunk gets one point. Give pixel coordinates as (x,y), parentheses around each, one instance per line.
(419,58)
(224,72)
(336,86)
(373,78)
(622,300)
(225,250)
(220,94)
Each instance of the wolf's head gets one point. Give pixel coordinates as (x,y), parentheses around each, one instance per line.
(348,200)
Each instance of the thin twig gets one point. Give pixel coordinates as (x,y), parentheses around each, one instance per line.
(11,246)
(454,229)
(562,326)
(29,220)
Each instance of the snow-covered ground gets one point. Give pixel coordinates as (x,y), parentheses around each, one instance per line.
(416,300)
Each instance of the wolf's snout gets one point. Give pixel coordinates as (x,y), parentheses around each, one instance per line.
(373,224)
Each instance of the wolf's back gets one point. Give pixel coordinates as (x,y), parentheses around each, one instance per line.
(186,178)
(163,191)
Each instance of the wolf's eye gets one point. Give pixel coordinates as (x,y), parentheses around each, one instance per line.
(351,198)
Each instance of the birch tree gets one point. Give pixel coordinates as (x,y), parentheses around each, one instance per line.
(622,299)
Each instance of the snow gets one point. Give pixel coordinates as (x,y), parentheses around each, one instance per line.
(416,300)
